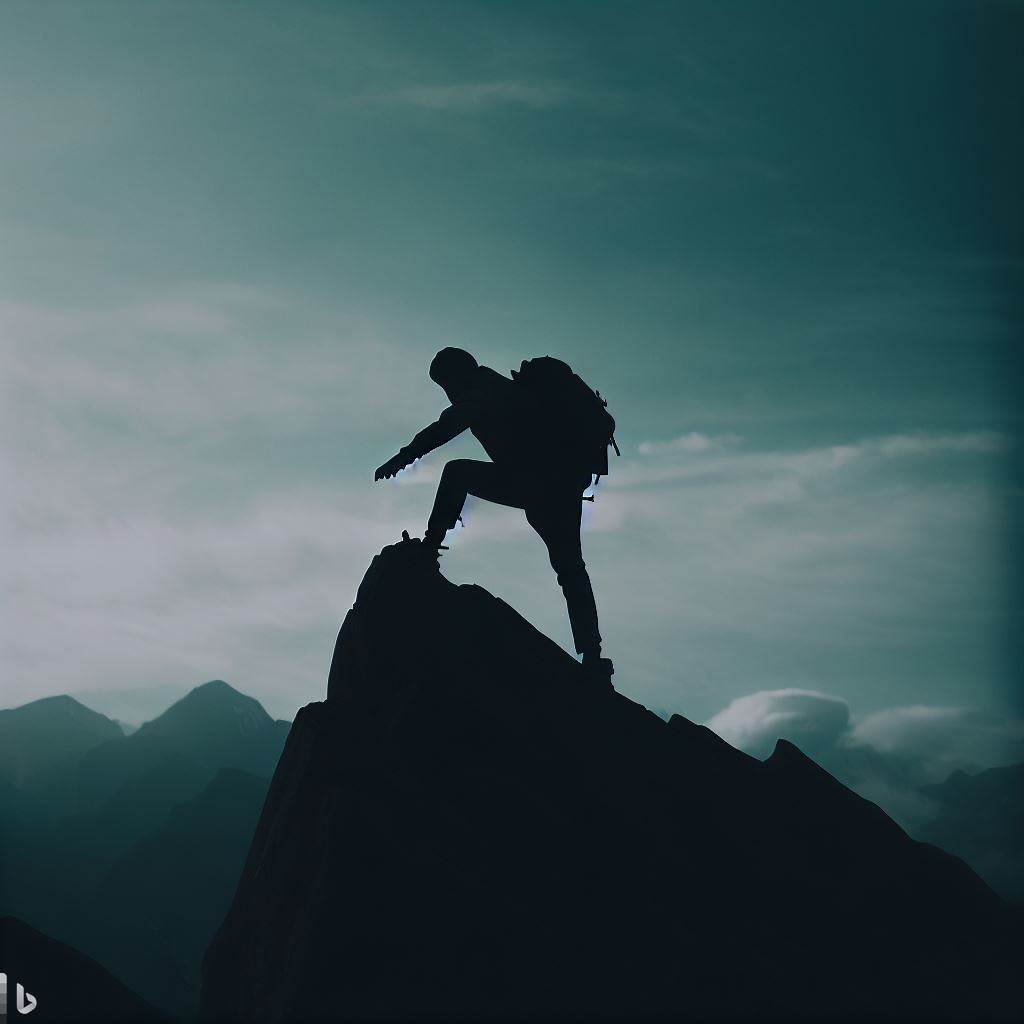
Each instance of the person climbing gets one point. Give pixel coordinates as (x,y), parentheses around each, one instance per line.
(547,435)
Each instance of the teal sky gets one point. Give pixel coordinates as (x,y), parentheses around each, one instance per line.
(783,240)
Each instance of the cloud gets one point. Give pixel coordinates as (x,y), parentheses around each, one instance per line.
(923,444)
(942,739)
(807,718)
(207,355)
(181,497)
(692,442)
(255,595)
(887,755)
(806,462)
(928,741)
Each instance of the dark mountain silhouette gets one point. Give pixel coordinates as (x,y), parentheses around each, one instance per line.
(212,727)
(468,827)
(68,985)
(981,818)
(47,733)
(158,905)
(95,807)
(217,725)
(178,784)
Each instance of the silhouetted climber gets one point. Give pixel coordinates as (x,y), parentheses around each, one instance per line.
(548,435)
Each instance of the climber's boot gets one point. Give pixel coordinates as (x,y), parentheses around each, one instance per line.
(428,550)
(432,545)
(598,670)
(434,539)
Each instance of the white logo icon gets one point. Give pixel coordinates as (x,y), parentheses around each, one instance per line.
(24,1002)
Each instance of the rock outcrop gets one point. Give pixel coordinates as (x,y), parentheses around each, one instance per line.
(466,829)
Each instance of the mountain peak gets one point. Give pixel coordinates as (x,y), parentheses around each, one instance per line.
(468,828)
(215,690)
(219,726)
(46,731)
(60,704)
(404,594)
(60,700)
(215,698)
(215,686)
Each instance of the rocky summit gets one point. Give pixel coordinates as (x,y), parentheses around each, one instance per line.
(467,828)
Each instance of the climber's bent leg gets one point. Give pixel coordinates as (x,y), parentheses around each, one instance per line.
(460,478)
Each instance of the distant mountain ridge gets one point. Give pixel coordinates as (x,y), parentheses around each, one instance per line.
(213,726)
(217,724)
(167,811)
(211,706)
(186,871)
(981,818)
(468,829)
(48,732)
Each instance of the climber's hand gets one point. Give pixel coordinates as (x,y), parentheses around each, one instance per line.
(390,468)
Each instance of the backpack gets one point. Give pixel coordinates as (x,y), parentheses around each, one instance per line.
(570,427)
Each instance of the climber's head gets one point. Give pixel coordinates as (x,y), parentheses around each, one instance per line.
(453,369)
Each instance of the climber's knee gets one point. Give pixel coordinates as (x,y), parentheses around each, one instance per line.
(450,497)
(456,471)
(570,572)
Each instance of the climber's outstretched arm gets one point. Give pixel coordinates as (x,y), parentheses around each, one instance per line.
(452,422)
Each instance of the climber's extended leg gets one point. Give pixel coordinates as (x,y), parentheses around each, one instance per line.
(557,520)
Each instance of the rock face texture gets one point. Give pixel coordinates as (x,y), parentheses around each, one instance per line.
(465,828)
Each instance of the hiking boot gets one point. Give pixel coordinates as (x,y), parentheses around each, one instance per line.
(434,541)
(599,670)
(428,550)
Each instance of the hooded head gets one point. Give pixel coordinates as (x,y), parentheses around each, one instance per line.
(453,369)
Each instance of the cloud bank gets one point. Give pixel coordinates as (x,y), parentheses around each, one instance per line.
(887,755)
(810,719)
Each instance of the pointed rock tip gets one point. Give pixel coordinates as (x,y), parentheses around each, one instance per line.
(789,753)
(788,756)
